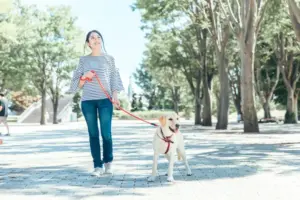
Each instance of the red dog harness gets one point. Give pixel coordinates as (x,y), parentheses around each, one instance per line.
(167,140)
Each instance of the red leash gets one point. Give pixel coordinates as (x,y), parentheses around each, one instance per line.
(107,95)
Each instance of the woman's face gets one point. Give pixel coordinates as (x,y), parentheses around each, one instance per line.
(94,41)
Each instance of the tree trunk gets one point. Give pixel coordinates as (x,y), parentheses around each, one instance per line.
(238,107)
(43,108)
(296,106)
(176,109)
(290,115)
(224,92)
(198,100)
(294,12)
(247,79)
(266,106)
(206,90)
(151,101)
(55,109)
(176,98)
(3,82)
(236,93)
(206,103)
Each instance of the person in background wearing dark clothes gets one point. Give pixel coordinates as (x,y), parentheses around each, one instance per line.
(4,113)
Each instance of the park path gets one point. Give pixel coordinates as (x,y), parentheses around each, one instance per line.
(54,162)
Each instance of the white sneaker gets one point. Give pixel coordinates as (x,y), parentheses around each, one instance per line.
(108,168)
(97,171)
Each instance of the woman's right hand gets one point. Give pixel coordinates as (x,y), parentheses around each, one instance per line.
(89,75)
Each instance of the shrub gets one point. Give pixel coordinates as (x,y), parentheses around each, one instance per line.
(147,115)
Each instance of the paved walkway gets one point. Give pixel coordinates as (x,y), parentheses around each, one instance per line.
(54,162)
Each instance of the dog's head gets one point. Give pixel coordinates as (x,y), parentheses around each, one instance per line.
(170,121)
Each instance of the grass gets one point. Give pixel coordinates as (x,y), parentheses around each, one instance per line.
(12,118)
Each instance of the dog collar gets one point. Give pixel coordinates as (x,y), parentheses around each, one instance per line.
(172,129)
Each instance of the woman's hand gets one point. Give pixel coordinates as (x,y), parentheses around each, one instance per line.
(89,75)
(116,100)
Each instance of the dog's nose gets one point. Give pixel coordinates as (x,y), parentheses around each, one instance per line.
(177,125)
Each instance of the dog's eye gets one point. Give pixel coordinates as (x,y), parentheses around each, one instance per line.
(170,119)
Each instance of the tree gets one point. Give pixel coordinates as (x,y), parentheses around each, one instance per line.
(189,59)
(9,49)
(145,81)
(166,15)
(64,54)
(289,69)
(294,12)
(48,48)
(163,62)
(267,72)
(285,53)
(267,78)
(220,34)
(235,81)
(245,25)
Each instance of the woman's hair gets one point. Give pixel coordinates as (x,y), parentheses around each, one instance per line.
(95,31)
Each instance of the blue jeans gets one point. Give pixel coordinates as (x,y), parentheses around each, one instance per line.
(90,110)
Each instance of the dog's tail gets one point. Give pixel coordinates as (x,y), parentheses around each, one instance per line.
(178,155)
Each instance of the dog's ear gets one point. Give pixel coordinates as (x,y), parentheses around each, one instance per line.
(162,121)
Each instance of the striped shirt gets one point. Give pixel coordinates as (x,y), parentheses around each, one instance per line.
(104,66)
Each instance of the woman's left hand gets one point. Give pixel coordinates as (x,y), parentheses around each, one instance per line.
(116,102)
(115,99)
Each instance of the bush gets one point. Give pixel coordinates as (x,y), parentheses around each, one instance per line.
(147,115)
(76,105)
(21,101)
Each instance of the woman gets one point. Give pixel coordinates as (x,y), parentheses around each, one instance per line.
(94,102)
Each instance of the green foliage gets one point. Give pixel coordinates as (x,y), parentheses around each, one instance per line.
(134,103)
(162,68)
(9,49)
(140,103)
(38,49)
(147,115)
(76,105)
(145,81)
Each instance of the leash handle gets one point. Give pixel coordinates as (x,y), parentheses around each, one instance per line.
(108,96)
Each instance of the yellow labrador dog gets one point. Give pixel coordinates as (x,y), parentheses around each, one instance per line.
(168,140)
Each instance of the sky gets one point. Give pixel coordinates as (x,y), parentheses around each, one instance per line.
(118,24)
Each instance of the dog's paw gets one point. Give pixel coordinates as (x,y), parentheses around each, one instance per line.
(189,172)
(151,179)
(170,179)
